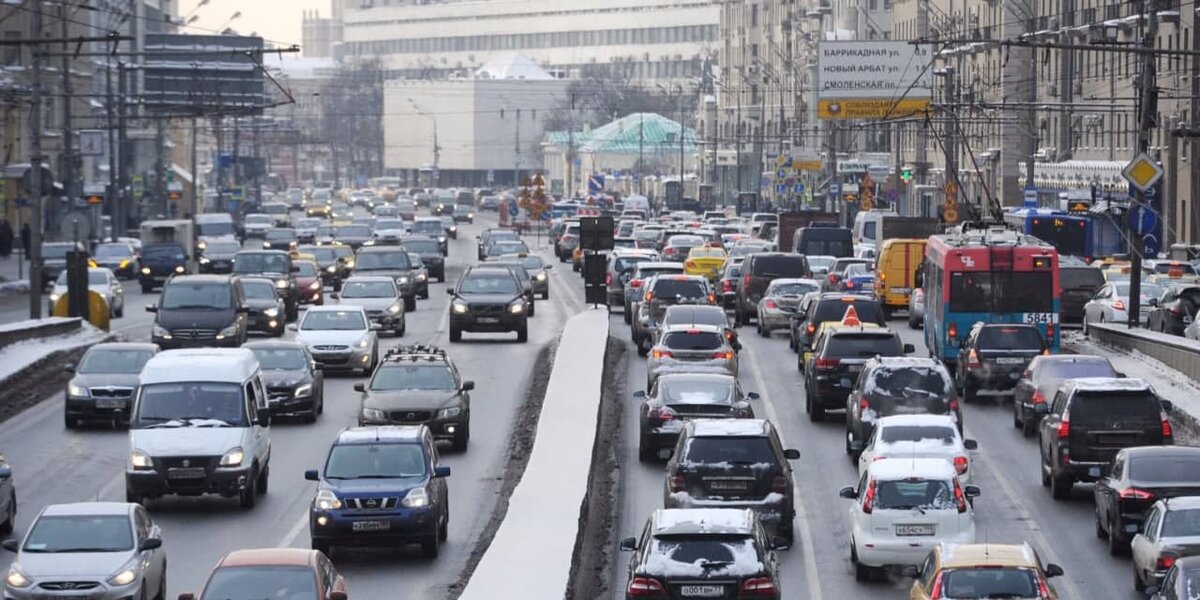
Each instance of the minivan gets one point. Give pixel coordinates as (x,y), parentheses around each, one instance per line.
(200,310)
(895,272)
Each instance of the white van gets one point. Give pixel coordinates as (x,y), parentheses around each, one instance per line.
(214,227)
(200,424)
(640,203)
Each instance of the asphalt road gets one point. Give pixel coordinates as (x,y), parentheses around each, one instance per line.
(1014,506)
(54,465)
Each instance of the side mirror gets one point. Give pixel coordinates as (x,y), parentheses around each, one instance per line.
(971,491)
(753,396)
(150,544)
(909,348)
(910,571)
(628,544)
(1053,570)
(312,475)
(360,387)
(848,493)
(70,368)
(441,471)
(1120,375)
(338,595)
(468,385)
(264,417)
(1167,405)
(151,308)
(791,454)
(10,544)
(292,327)
(334,295)
(970,444)
(780,543)
(1152,302)
(187,596)
(640,395)
(243,310)
(547,266)
(5,472)
(449,292)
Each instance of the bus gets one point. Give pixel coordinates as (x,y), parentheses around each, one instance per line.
(993,275)
(1071,235)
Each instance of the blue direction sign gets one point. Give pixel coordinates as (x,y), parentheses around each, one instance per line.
(237,193)
(798,189)
(513,209)
(1143,220)
(596,183)
(781,188)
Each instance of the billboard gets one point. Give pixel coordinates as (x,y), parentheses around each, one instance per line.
(203,74)
(873,80)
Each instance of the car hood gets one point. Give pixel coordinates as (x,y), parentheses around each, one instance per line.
(285,377)
(330,338)
(488,298)
(105,380)
(353,487)
(411,399)
(202,319)
(186,441)
(369,303)
(261,303)
(98,565)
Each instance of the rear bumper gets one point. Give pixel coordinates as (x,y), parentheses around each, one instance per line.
(904,551)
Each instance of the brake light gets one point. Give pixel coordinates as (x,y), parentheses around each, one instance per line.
(954,404)
(758,586)
(936,592)
(882,277)
(827,363)
(779,484)
(1132,493)
(635,283)
(727,285)
(1164,562)
(1049,333)
(960,464)
(1064,428)
(661,414)
(849,284)
(1038,397)
(608,279)
(833,278)
(746,280)
(1043,589)
(772,304)
(691,264)
(811,329)
(868,504)
(973,360)
(726,355)
(863,403)
(1166,426)
(712,298)
(959,496)
(649,296)
(675,483)
(646,587)
(952,332)
(662,354)
(1118,305)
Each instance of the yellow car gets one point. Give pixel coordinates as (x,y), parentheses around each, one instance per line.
(577,259)
(983,571)
(705,261)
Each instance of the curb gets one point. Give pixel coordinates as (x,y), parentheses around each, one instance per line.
(33,383)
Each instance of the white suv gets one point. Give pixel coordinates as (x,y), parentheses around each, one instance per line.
(902,509)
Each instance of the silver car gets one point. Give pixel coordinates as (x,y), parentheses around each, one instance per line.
(339,337)
(379,296)
(779,303)
(691,348)
(113,550)
(100,280)
(1110,304)
(916,308)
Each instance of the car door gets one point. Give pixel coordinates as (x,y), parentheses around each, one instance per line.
(1048,429)
(1106,488)
(256,399)
(154,562)
(1143,547)
(920,588)
(1091,310)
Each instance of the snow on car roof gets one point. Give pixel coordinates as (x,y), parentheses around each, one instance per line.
(908,361)
(793,280)
(728,427)
(698,327)
(674,521)
(926,468)
(918,420)
(1103,384)
(1183,503)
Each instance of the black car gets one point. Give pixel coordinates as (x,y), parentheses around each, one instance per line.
(897,386)
(677,398)
(994,355)
(419,385)
(1090,420)
(159,262)
(728,283)
(758,271)
(217,256)
(264,308)
(488,299)
(434,228)
(353,235)
(837,359)
(295,383)
(464,213)
(104,383)
(702,554)
(1136,479)
(54,260)
(1035,389)
(430,252)
(487,236)
(1079,282)
(518,271)
(120,257)
(831,306)
(734,463)
(1174,311)
(391,262)
(199,310)
(279,238)
(275,265)
(1179,583)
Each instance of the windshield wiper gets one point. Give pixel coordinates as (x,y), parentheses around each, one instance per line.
(69,550)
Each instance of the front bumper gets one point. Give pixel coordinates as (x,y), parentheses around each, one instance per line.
(831,389)
(393,527)
(291,405)
(156,483)
(442,428)
(99,409)
(349,359)
(102,590)
(489,322)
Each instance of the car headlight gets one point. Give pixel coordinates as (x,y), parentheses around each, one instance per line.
(314,286)
(233,458)
(302,391)
(271,312)
(160,331)
(517,307)
(266,244)
(140,460)
(202,244)
(540,277)
(326,500)
(401,280)
(449,412)
(470,215)
(179,269)
(373,414)
(421,277)
(281,284)
(331,269)
(16,578)
(369,243)
(204,260)
(442,239)
(454,229)
(363,342)
(145,270)
(459,307)
(349,263)
(416,498)
(228,331)
(54,298)
(128,574)
(76,390)
(394,309)
(124,263)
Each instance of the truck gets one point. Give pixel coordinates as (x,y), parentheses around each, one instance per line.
(168,249)
(789,223)
(872,227)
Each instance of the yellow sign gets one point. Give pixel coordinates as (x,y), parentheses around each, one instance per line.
(806,165)
(951,190)
(950,215)
(94,200)
(1142,172)
(878,108)
(780,160)
(867,183)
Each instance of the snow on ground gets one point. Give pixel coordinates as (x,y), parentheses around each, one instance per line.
(14,287)
(22,354)
(27,323)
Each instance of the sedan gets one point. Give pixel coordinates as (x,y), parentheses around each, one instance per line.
(1043,376)
(693,349)
(1172,531)
(100,280)
(538,269)
(104,382)
(1111,301)
(289,573)
(916,309)
(681,397)
(119,257)
(1135,479)
(339,337)
(8,496)
(380,297)
(1174,310)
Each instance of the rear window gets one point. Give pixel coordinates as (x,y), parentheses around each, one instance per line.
(1102,409)
(1080,278)
(725,449)
(1181,523)
(686,289)
(1181,268)
(1075,370)
(916,433)
(834,309)
(863,345)
(626,263)
(779,266)
(903,382)
(1010,338)
(705,340)
(1165,469)
(913,493)
(990,583)
(691,316)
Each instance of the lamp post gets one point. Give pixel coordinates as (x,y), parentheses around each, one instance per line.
(437,150)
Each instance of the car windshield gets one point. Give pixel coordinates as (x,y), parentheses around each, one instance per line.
(462,209)
(281,359)
(421,246)
(214,229)
(915,433)
(259,290)
(858,270)
(113,251)
(1164,469)
(165,252)
(184,295)
(821,262)
(385,224)
(693,391)
(1149,290)
(188,404)
(674,289)
(913,493)
(693,315)
(222,248)
(261,582)
(354,231)
(908,381)
(864,345)
(322,254)
(700,340)
(793,289)
(260,263)
(507,247)
(374,461)
(305,268)
(780,266)
(276,235)
(487,284)
(685,241)
(113,361)
(402,376)
(1170,267)
(1017,337)
(275,209)
(95,277)
(434,227)
(326,230)
(628,263)
(728,449)
(258,220)
(368,289)
(989,582)
(308,223)
(333,320)
(699,555)
(80,533)
(372,261)
(648,272)
(517,269)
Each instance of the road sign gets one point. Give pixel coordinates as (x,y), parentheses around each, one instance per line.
(781,174)
(781,188)
(138,186)
(782,160)
(906,174)
(174,196)
(47,182)
(1142,172)
(1030,197)
(91,142)
(798,189)
(95,200)
(1143,220)
(513,208)
(950,215)
(596,183)
(873,79)
(867,182)
(951,192)
(237,193)
(539,181)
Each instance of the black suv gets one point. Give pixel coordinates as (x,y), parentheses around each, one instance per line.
(1090,420)
(390,262)
(758,271)
(279,238)
(1079,282)
(734,463)
(294,381)
(275,265)
(830,306)
(217,256)
(488,299)
(994,356)
(702,554)
(104,382)
(200,310)
(430,252)
(1136,479)
(159,262)
(677,398)
(419,385)
(838,357)
(897,386)
(663,291)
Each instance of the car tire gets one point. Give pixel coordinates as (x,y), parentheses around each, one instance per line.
(849,445)
(462,438)
(628,318)
(293,311)
(455,334)
(645,452)
(323,547)
(425,294)
(763,331)
(161,594)
(263,480)
(120,312)
(887,313)
(70,422)
(400,331)
(1100,531)
(410,303)
(532,309)
(1086,332)
(969,393)
(248,497)
(431,547)
(1045,469)
(444,529)
(546,295)
(1115,546)
(523,333)
(912,322)
(10,518)
(146,289)
(1060,487)
(862,573)
(1017,422)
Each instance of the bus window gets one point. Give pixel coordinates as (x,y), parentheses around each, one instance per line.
(1001,292)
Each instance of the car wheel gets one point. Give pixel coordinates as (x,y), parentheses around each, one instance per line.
(399,331)
(1017,424)
(1100,532)
(887,313)
(161,594)
(969,392)
(462,437)
(1045,469)
(1060,486)
(444,529)
(410,303)
(263,480)
(627,316)
(455,334)
(849,446)
(1115,546)
(645,452)
(546,295)
(817,412)
(642,350)
(425,294)
(248,497)
(323,547)
(431,547)
(912,323)
(1028,428)
(10,517)
(1086,332)
(70,422)
(532,308)
(523,333)
(862,573)
(146,289)
(120,312)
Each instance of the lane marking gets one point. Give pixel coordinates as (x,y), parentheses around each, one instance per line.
(289,538)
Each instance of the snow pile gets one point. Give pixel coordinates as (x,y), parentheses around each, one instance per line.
(14,287)
(16,357)
(1167,382)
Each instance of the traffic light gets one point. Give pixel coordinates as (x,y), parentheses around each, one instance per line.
(906,174)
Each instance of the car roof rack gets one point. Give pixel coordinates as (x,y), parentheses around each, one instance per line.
(415,352)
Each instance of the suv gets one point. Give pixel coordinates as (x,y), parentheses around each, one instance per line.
(758,271)
(200,310)
(390,262)
(984,571)
(159,262)
(277,266)
(430,252)
(419,385)
(831,307)
(1041,379)
(1090,420)
(432,227)
(635,288)
(381,486)
(677,547)
(897,386)
(489,299)
(663,291)
(994,356)
(1079,282)
(200,425)
(104,382)
(839,356)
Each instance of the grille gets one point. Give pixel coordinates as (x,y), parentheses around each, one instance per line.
(371,503)
(488,309)
(410,416)
(58,586)
(195,334)
(330,348)
(279,393)
(186,462)
(111,392)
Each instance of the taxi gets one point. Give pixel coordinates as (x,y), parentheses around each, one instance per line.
(705,261)
(983,571)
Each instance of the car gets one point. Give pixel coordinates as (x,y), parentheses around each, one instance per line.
(538,269)
(1171,532)
(797,325)
(779,302)
(449,226)
(341,211)
(306,229)
(8,497)
(309,282)
(216,399)
(387,232)
(431,256)
(496,248)
(115,547)
(857,279)
(1110,304)
(381,486)
(677,398)
(727,282)
(1180,583)
(1130,485)
(420,274)
(380,297)
(901,509)
(100,280)
(289,573)
(294,382)
(758,271)
(118,257)
(217,256)
(678,246)
(567,241)
(279,238)
(635,288)
(619,269)
(488,299)
(897,385)
(986,570)
(434,228)
(994,355)
(1174,310)
(905,436)
(256,225)
(523,276)
(491,203)
(326,234)
(200,310)
(353,235)
(916,309)
(697,314)
(663,291)
(390,262)
(1043,376)
(406,208)
(103,383)
(1090,420)
(491,235)
(839,355)
(703,553)
(340,337)
(333,266)
(833,277)
(692,348)
(277,266)
(705,261)
(278,211)
(1079,282)
(158,262)
(419,385)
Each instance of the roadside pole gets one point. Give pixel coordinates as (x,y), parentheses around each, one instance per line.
(36,184)
(1148,105)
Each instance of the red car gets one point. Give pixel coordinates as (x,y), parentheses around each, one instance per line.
(290,573)
(308,281)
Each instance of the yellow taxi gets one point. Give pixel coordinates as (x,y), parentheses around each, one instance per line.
(705,261)
(895,271)
(318,210)
(984,571)
(577,258)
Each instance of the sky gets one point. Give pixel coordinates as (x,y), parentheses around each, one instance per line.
(276,20)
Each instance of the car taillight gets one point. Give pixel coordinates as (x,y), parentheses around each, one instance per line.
(772,304)
(1049,333)
(646,587)
(960,464)
(959,496)
(863,403)
(779,484)
(827,363)
(1043,589)
(849,284)
(758,586)
(675,483)
(727,285)
(811,329)
(712,298)
(691,264)
(1118,305)
(1064,428)
(1132,493)
(649,296)
(608,279)
(661,414)
(936,592)
(1166,426)
(1165,562)
(746,280)
(952,332)
(868,504)
(1038,397)
(662,354)
(833,278)
(954,405)
(635,283)
(973,360)
(725,355)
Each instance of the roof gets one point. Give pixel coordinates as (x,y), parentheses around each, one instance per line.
(268,556)
(274,344)
(932,468)
(123,346)
(1068,358)
(909,361)
(791,280)
(1161,451)
(916,420)
(368,279)
(334,308)
(516,66)
(1183,503)
(387,433)
(969,555)
(729,427)
(229,365)
(668,378)
(645,133)
(660,265)
(87,508)
(1104,384)
(684,521)
(693,327)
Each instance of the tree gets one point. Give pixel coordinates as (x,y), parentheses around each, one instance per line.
(352,117)
(604,93)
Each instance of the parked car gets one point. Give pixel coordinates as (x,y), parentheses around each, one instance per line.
(1043,376)
(103,383)
(677,398)
(896,385)
(1131,484)
(273,573)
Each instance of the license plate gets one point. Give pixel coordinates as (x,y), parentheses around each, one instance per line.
(1036,318)
(370,525)
(1009,360)
(726,485)
(110,403)
(900,290)
(1117,438)
(702,591)
(914,530)
(489,319)
(190,473)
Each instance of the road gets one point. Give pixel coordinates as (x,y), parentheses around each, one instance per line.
(1013,508)
(55,465)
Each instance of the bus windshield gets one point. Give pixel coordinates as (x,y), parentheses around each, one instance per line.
(1002,292)
(1067,235)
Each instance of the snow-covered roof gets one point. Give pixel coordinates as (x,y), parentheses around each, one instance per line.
(909,361)
(728,427)
(516,66)
(232,365)
(793,280)
(916,420)
(1103,384)
(1184,503)
(926,468)
(669,521)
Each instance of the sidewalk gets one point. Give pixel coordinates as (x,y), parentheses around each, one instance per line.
(14,274)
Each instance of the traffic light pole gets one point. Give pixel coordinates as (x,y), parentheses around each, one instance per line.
(1148,112)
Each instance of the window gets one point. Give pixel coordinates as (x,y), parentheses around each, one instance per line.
(1001,292)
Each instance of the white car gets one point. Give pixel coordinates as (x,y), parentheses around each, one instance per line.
(306,228)
(916,308)
(340,337)
(919,436)
(1110,304)
(1171,531)
(100,280)
(901,509)
(256,225)
(820,264)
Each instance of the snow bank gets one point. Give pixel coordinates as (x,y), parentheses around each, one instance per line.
(17,356)
(14,287)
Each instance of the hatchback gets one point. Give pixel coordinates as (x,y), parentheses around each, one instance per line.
(692,349)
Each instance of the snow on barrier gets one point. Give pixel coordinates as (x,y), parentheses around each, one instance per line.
(536,540)
(1178,353)
(32,329)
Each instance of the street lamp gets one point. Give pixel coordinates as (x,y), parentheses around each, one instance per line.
(437,150)
(235,16)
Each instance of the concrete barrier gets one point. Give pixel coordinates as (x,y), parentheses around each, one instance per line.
(533,548)
(1178,353)
(21,331)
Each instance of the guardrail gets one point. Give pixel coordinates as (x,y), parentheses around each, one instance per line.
(30,330)
(1178,353)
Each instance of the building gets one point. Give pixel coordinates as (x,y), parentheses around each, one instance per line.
(319,35)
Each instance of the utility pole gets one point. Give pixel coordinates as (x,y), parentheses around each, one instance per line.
(950,138)
(160,171)
(68,136)
(641,153)
(1147,113)
(35,164)
(114,187)
(124,149)
(921,143)
(517,152)
(680,141)
(193,198)
(1031,119)
(257,173)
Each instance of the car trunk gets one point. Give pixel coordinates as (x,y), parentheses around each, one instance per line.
(914,509)
(728,481)
(694,346)
(886,405)
(1104,422)
(688,410)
